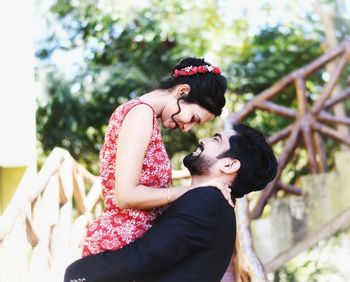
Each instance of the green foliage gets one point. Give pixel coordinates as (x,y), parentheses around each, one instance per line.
(268,56)
(125,52)
(125,55)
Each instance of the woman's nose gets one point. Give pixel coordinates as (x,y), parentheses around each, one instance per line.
(187,127)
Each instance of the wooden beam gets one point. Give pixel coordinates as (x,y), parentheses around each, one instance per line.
(287,80)
(277,109)
(237,117)
(327,91)
(280,135)
(332,133)
(79,192)
(324,59)
(310,149)
(291,189)
(321,152)
(282,162)
(338,98)
(93,196)
(301,96)
(327,117)
(303,72)
(32,237)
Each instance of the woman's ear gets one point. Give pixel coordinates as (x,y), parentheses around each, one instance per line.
(183,90)
(230,166)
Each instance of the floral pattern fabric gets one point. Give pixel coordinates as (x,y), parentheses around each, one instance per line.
(117,227)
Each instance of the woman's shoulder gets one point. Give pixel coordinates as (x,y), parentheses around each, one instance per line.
(131,104)
(135,109)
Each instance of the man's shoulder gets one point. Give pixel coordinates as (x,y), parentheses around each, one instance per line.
(204,191)
(201,198)
(202,205)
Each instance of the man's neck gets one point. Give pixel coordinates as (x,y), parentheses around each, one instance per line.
(198,179)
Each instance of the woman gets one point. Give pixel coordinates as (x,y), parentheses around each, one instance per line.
(135,169)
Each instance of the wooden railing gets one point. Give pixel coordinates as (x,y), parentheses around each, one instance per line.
(44,225)
(42,228)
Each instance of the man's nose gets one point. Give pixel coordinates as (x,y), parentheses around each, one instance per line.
(202,141)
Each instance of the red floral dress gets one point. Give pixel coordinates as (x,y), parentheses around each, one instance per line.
(118,227)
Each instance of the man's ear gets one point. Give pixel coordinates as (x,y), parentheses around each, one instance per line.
(230,166)
(183,90)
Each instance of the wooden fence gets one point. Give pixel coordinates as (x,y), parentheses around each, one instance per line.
(41,230)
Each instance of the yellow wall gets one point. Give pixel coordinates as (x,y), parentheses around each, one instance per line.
(9,180)
(17,96)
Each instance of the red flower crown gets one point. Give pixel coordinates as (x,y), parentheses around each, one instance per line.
(191,70)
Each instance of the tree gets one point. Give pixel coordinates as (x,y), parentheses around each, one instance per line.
(125,55)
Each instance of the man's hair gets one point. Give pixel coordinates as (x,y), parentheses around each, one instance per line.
(258,163)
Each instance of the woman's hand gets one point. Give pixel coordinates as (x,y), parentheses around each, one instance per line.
(224,188)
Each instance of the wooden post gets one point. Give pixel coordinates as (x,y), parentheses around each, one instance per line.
(247,266)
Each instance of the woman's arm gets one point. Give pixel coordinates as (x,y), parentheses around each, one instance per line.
(133,140)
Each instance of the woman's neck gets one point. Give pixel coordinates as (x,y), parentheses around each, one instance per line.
(157,99)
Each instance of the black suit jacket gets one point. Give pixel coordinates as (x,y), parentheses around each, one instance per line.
(193,240)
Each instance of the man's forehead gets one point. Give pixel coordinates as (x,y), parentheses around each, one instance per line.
(227,133)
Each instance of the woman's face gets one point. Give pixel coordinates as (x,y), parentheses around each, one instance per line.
(190,114)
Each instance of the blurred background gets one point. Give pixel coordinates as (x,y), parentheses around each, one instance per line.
(91,56)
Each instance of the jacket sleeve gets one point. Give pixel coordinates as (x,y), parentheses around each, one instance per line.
(186,227)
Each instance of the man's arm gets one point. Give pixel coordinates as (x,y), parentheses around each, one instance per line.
(183,229)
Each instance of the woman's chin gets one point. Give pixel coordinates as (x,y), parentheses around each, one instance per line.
(166,126)
(169,126)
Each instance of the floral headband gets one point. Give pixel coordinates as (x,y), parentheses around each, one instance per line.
(191,70)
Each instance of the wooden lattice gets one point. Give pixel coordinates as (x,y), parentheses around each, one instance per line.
(308,127)
(42,228)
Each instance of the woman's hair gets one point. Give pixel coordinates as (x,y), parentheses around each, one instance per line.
(206,89)
(258,162)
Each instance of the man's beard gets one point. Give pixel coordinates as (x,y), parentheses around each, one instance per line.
(198,165)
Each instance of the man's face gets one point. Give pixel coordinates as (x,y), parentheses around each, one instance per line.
(201,162)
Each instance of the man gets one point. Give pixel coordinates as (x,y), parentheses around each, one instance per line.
(193,239)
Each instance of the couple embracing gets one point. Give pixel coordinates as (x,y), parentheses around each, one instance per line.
(150,231)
